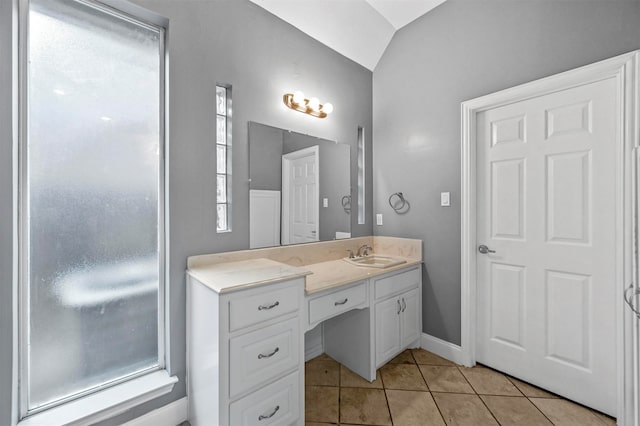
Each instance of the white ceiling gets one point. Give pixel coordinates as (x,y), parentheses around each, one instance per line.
(358,29)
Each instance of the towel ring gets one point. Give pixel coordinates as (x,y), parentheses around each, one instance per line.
(346,203)
(630,293)
(398,203)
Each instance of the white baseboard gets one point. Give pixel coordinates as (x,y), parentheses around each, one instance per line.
(444,349)
(311,352)
(313,343)
(169,415)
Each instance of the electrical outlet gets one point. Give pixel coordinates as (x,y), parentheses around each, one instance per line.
(379,219)
(325,202)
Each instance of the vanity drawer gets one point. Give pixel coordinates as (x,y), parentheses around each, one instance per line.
(275,404)
(334,303)
(261,305)
(397,283)
(257,357)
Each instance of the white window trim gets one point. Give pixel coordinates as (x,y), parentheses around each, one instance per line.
(106,403)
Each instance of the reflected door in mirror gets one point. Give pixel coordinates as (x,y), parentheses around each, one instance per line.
(300,171)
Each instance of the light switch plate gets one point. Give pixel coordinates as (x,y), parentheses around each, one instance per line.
(445,199)
(379,219)
(325,202)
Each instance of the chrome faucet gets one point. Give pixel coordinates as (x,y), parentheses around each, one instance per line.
(364,250)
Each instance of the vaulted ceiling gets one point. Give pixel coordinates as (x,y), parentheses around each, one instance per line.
(358,29)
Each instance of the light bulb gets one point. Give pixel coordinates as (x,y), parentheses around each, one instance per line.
(327,108)
(298,98)
(314,104)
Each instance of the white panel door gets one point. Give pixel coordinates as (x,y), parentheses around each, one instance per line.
(300,202)
(546,206)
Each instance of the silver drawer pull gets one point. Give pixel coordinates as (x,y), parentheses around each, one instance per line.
(404,305)
(261,417)
(264,308)
(260,356)
(399,307)
(340,303)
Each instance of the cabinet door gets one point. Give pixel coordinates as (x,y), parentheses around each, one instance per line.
(410,317)
(387,329)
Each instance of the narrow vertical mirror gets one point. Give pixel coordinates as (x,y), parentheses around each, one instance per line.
(361,176)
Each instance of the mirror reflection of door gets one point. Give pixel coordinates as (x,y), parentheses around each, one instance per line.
(300,177)
(267,145)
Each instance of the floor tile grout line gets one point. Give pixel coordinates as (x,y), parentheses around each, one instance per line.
(541,412)
(482,400)
(530,402)
(415,361)
(384,391)
(438,408)
(489,410)
(467,380)
(553,397)
(593,411)
(423,378)
(444,421)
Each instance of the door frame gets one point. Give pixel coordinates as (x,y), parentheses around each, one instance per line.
(624,69)
(286,188)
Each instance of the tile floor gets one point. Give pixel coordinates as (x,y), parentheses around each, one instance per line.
(420,388)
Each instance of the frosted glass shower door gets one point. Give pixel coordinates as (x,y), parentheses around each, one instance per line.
(92,179)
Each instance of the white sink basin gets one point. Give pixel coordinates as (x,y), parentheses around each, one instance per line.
(375,261)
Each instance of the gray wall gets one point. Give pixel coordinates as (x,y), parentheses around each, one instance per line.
(230,41)
(461,50)
(334,184)
(265,157)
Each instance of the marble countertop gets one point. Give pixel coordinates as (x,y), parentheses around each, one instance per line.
(231,276)
(335,273)
(320,263)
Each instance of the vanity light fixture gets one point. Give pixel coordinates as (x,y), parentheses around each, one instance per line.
(312,106)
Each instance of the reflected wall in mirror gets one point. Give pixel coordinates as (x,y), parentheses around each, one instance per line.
(299,188)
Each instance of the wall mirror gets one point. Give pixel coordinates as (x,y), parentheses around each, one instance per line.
(299,189)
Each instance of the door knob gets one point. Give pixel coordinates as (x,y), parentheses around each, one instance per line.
(484,249)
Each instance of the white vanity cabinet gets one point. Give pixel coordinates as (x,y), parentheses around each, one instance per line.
(332,303)
(397,313)
(245,354)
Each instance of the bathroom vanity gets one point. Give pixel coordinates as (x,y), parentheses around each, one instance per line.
(247,313)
